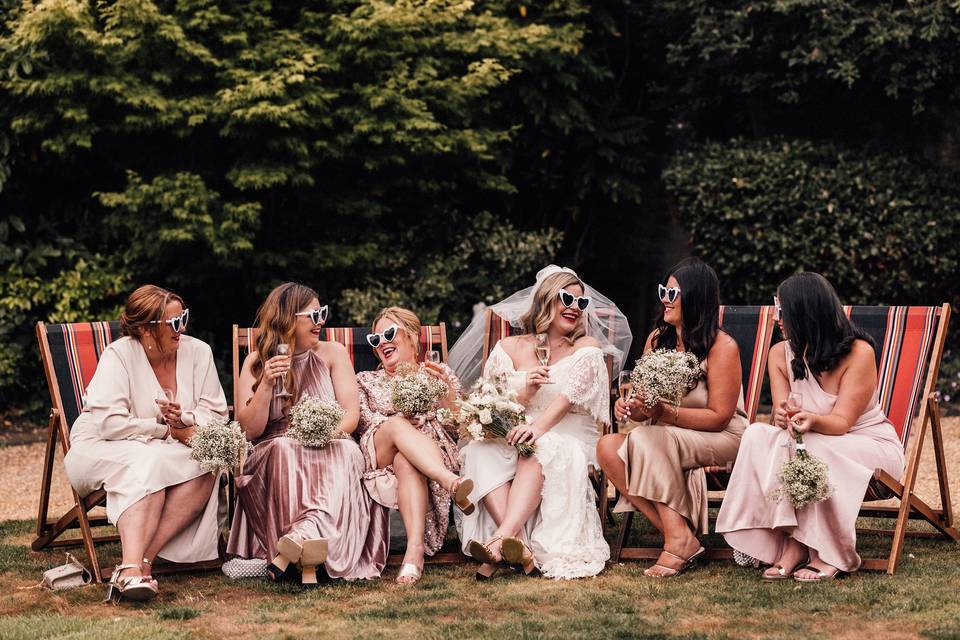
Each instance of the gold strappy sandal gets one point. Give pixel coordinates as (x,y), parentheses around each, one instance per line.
(489,563)
(517,553)
(133,588)
(461,495)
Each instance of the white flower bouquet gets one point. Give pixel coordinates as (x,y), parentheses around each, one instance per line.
(490,411)
(803,479)
(414,391)
(664,375)
(219,445)
(315,422)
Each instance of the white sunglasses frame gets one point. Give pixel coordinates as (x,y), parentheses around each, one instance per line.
(777,309)
(381,338)
(575,302)
(183,318)
(663,293)
(322,311)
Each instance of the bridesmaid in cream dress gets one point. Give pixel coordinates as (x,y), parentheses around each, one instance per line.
(842,424)
(658,465)
(133,444)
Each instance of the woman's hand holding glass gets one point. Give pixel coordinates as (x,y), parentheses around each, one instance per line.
(434,368)
(276,368)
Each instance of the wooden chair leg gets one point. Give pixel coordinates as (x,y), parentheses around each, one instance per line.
(49,458)
(622,536)
(936,432)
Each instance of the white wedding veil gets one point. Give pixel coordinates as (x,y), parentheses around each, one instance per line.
(605,322)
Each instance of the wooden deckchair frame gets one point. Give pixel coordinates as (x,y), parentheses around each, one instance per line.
(78,516)
(911,506)
(436,336)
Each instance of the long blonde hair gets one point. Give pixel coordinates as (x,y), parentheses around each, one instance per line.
(407,320)
(276,322)
(543,308)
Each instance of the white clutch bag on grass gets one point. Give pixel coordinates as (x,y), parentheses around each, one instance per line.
(66,576)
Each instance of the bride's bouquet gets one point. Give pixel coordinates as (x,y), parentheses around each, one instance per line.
(664,375)
(490,411)
(315,422)
(803,479)
(219,445)
(414,391)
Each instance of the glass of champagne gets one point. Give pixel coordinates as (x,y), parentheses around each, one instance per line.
(625,386)
(164,397)
(282,350)
(543,350)
(794,404)
(433,356)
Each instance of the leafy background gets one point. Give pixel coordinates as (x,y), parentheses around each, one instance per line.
(436,153)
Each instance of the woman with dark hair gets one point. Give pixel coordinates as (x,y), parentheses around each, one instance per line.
(302,506)
(151,389)
(657,467)
(831,363)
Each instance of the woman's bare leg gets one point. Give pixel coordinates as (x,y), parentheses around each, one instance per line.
(137,526)
(412,501)
(524,498)
(397,435)
(184,503)
(616,472)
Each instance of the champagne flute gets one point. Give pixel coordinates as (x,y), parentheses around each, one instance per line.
(794,405)
(625,386)
(282,350)
(543,349)
(433,356)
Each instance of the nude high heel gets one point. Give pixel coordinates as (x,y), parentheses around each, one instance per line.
(461,495)
(288,552)
(314,554)
(515,552)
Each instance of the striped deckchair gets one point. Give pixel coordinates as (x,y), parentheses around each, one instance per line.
(752,328)
(910,343)
(70,354)
(495,329)
(432,338)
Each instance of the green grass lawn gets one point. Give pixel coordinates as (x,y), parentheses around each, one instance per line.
(718,600)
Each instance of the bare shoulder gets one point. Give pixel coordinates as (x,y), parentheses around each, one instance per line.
(586,341)
(777,358)
(724,344)
(331,351)
(861,353)
(650,338)
(513,344)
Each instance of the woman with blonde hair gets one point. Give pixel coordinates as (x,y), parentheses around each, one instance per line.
(301,505)
(538,512)
(151,389)
(412,461)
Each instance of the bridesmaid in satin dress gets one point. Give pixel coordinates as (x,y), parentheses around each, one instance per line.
(301,505)
(831,362)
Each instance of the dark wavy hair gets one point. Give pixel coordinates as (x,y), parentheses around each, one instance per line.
(700,302)
(818,330)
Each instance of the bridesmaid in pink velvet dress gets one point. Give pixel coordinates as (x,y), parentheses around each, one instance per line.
(297,505)
(831,363)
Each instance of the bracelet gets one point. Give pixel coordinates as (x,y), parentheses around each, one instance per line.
(676,415)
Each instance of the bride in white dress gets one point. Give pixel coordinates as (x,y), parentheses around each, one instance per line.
(539,512)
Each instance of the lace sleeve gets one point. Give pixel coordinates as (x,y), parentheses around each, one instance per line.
(587,386)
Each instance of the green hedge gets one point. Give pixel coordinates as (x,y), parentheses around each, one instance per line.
(884,229)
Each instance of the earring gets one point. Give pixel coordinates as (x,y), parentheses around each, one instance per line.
(149,347)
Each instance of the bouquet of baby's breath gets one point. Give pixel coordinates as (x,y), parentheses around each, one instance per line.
(664,375)
(803,479)
(315,422)
(219,445)
(413,391)
(490,411)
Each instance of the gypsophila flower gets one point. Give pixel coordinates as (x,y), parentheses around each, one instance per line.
(804,479)
(315,422)
(445,416)
(664,375)
(219,445)
(413,391)
(490,411)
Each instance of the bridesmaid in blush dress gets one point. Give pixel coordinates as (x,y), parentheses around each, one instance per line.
(300,504)
(831,363)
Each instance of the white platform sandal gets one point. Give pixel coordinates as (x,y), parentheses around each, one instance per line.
(132,588)
(409,570)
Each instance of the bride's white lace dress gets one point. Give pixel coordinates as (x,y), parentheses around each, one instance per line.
(565,533)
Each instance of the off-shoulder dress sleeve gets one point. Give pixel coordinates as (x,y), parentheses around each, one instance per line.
(588,385)
(110,405)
